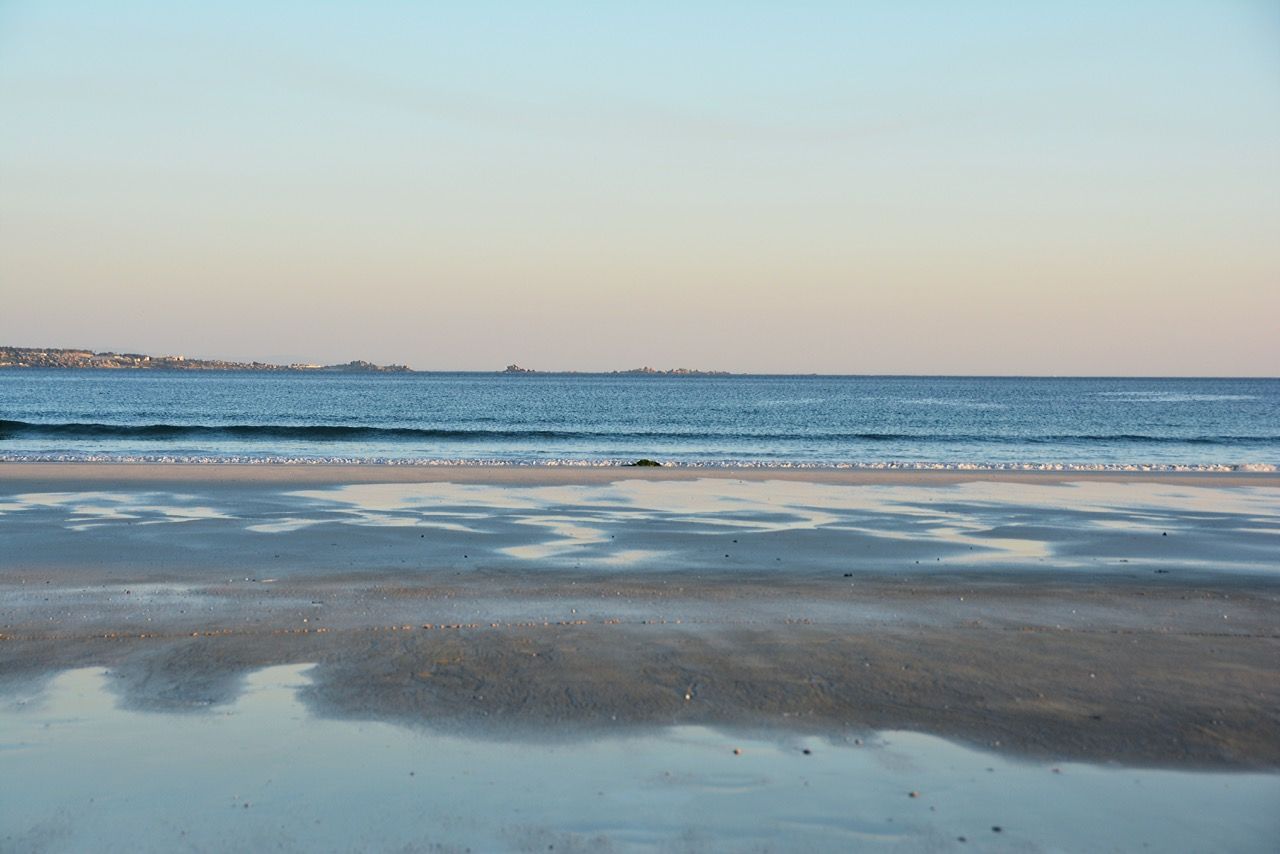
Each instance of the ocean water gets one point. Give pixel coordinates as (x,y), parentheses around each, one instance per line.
(587,419)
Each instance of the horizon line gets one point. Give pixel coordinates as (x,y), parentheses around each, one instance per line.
(643,371)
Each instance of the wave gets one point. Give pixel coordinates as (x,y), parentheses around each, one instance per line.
(306,432)
(196,459)
(323,433)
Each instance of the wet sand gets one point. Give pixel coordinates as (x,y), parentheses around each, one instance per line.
(264,773)
(1129,618)
(207,657)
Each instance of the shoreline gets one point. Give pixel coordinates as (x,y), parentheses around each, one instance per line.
(518,475)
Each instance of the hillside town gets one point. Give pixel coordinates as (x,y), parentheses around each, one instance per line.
(42,357)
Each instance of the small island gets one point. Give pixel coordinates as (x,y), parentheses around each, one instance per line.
(674,372)
(645,371)
(48,357)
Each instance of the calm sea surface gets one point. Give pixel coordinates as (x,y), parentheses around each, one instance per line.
(550,418)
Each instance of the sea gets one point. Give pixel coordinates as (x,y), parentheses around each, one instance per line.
(616,419)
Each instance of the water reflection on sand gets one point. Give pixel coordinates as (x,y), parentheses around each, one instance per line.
(641,523)
(263,772)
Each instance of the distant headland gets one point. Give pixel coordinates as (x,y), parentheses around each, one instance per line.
(80,359)
(38,357)
(673,372)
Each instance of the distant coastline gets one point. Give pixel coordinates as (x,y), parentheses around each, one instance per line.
(71,359)
(74,359)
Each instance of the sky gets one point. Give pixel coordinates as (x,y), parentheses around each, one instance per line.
(879,187)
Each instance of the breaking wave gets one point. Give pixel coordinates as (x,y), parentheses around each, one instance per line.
(323,433)
(276,459)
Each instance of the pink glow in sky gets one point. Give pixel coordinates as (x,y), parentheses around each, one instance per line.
(1074,188)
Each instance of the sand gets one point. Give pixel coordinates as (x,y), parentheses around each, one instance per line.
(1129,619)
(1107,617)
(264,773)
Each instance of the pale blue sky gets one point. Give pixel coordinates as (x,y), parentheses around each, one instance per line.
(925,187)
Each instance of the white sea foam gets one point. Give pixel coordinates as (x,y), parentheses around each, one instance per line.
(903,465)
(1171,396)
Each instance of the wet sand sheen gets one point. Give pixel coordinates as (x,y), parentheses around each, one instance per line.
(1129,619)
(270,775)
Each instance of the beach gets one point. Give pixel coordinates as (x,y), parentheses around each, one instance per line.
(1111,619)
(699,428)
